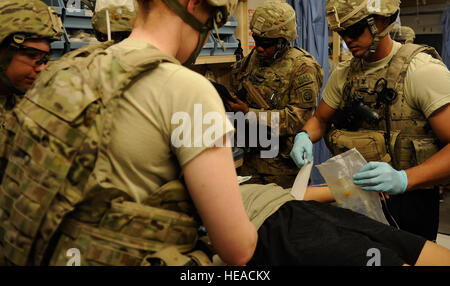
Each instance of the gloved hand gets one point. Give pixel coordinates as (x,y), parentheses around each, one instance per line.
(302,145)
(381,177)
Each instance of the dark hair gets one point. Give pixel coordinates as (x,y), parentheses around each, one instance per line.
(145,5)
(6,42)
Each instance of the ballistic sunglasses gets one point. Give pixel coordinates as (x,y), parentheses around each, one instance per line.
(264,42)
(355,30)
(32,56)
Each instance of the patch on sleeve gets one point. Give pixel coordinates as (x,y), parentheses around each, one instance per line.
(308,96)
(303,80)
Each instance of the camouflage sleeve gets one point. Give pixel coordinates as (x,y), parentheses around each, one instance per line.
(237,74)
(306,83)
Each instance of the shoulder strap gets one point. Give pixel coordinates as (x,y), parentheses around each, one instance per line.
(102,74)
(126,66)
(400,62)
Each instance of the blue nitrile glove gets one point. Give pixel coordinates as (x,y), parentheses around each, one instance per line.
(302,145)
(381,177)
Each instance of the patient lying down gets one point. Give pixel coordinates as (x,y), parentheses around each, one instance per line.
(312,232)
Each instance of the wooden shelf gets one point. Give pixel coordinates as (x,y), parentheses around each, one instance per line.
(241,33)
(215,59)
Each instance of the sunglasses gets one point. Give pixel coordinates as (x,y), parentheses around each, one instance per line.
(355,30)
(32,56)
(264,42)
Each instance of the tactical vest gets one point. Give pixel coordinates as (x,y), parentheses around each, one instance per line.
(7,103)
(271,88)
(272,82)
(412,140)
(46,206)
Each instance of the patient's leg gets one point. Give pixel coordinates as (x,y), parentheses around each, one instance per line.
(433,254)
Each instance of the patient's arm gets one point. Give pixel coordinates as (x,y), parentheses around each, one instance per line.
(319,194)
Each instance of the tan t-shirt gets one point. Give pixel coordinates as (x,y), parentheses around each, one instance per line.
(261,201)
(427,82)
(144,153)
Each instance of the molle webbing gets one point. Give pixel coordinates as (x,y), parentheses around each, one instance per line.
(141,230)
(410,148)
(34,178)
(56,144)
(399,64)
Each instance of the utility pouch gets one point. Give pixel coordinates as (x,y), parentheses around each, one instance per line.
(370,143)
(171,256)
(424,148)
(126,234)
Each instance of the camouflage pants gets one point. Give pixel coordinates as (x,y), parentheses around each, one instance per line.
(285,181)
(266,171)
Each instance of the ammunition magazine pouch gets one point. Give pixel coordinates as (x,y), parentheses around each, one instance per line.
(132,234)
(370,143)
(171,256)
(413,151)
(408,151)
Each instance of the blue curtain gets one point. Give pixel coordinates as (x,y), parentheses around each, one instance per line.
(313,37)
(445,26)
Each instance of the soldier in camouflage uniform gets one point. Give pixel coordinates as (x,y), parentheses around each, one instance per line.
(27,29)
(94,167)
(391,103)
(276,78)
(403,34)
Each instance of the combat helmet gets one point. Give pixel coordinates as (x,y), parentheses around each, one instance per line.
(274,19)
(403,33)
(31,19)
(342,14)
(113,17)
(223,10)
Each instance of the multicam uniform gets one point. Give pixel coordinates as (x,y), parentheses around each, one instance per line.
(422,83)
(69,184)
(21,20)
(289,86)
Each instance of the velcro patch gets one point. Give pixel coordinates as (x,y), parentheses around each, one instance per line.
(308,95)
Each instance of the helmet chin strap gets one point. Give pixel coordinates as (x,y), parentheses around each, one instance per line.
(281,48)
(376,36)
(203,29)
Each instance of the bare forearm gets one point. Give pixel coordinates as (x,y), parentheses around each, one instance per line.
(433,171)
(315,128)
(212,184)
(319,194)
